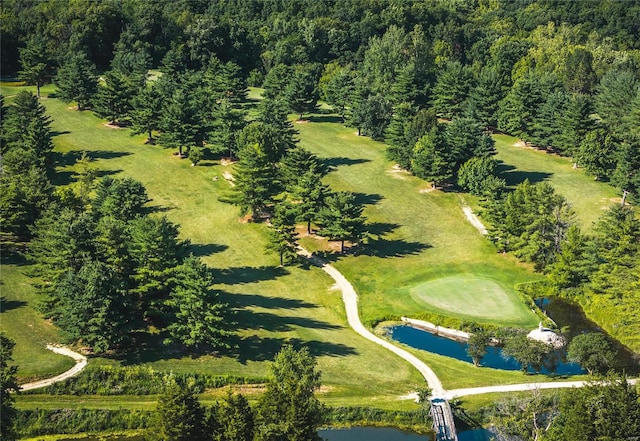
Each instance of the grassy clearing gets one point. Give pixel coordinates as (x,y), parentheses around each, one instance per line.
(20,321)
(419,235)
(588,197)
(275,305)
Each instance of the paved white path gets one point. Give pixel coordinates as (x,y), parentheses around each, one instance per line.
(81,363)
(350,299)
(455,393)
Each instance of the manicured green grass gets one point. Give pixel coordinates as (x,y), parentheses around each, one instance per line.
(9,89)
(420,236)
(480,297)
(111,402)
(275,305)
(589,198)
(20,321)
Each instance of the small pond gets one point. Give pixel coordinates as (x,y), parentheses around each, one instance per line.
(390,434)
(420,339)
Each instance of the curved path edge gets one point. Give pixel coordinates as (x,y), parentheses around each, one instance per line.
(81,363)
(456,393)
(350,299)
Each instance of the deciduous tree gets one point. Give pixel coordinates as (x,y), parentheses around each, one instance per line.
(477,345)
(598,153)
(607,410)
(529,353)
(593,351)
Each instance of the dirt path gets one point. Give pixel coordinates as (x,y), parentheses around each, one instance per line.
(350,299)
(473,219)
(81,363)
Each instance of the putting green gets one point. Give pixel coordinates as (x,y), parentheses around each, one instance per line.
(472,298)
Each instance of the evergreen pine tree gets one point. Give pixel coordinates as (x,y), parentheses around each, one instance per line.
(77,80)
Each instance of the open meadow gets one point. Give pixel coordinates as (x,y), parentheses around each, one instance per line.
(423,255)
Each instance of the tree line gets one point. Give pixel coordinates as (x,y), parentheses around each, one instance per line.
(105,267)
(287,409)
(605,409)
(598,269)
(551,77)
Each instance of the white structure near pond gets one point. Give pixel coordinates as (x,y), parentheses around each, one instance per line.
(546,335)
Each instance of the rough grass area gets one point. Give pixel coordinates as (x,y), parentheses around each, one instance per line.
(482,299)
(588,197)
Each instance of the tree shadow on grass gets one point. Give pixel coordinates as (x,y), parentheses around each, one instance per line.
(333,163)
(255,348)
(8,305)
(247,319)
(391,248)
(65,159)
(513,176)
(67,177)
(247,274)
(368,198)
(377,246)
(325,119)
(55,133)
(10,255)
(201,249)
(246,300)
(100,154)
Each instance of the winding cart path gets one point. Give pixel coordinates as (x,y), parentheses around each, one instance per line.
(81,363)
(350,299)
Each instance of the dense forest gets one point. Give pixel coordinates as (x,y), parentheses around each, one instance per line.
(433,80)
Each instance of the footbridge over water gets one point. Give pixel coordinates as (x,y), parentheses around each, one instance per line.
(443,424)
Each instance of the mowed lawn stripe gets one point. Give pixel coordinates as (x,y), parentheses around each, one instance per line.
(482,298)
